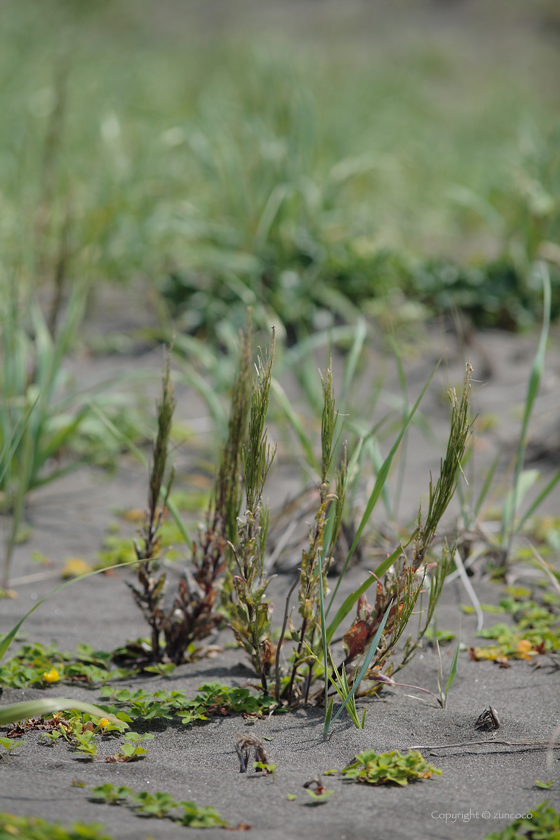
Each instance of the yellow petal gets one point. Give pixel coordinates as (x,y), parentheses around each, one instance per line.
(51,676)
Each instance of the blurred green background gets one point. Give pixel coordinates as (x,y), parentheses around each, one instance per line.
(317,160)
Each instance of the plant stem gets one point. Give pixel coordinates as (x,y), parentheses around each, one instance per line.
(282,634)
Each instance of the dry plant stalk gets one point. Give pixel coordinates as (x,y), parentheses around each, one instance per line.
(251,619)
(450,467)
(194,614)
(149,594)
(313,574)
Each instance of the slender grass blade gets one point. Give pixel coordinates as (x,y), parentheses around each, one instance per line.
(367,662)
(349,602)
(379,484)
(39,708)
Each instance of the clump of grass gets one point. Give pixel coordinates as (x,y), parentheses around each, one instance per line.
(36,421)
(514,519)
(232,556)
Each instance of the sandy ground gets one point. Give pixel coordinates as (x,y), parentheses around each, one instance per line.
(199,762)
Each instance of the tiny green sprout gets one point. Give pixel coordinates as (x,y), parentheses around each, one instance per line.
(52,736)
(153,804)
(291,797)
(86,743)
(263,767)
(318,798)
(200,817)
(111,794)
(77,784)
(543,785)
(130,750)
(134,739)
(10,745)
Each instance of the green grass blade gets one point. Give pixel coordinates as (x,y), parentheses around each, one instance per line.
(191,377)
(376,458)
(52,476)
(515,497)
(13,441)
(294,422)
(306,347)
(404,391)
(487,483)
(367,662)
(353,358)
(177,517)
(124,439)
(189,346)
(271,209)
(328,715)
(532,391)
(453,671)
(39,708)
(59,438)
(538,501)
(382,476)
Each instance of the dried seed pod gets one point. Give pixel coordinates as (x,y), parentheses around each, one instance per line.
(488,720)
(243,748)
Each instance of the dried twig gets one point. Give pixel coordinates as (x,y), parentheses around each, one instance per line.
(532,744)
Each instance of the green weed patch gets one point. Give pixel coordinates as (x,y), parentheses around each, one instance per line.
(389,768)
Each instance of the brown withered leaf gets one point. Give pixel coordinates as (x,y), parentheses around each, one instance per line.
(39,725)
(355,639)
(217,710)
